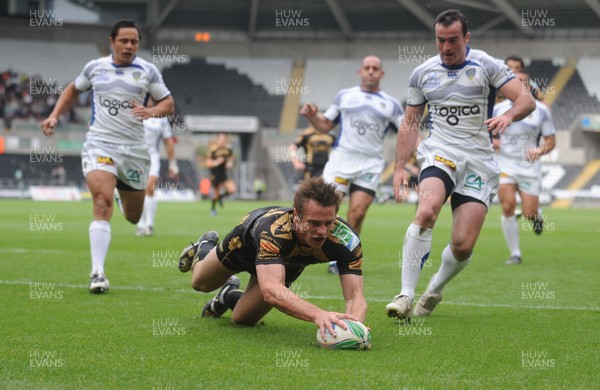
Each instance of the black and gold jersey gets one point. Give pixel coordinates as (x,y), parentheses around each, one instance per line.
(317,146)
(266,236)
(219,172)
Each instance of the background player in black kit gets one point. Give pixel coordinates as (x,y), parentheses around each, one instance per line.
(274,245)
(316,147)
(219,160)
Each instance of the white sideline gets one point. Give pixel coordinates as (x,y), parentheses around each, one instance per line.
(189,290)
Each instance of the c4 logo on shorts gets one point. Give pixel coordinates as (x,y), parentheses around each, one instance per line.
(443,160)
(134,176)
(474,182)
(105,160)
(342,181)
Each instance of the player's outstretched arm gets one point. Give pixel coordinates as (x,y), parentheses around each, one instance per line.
(352,288)
(407,138)
(316,119)
(271,279)
(523,105)
(65,101)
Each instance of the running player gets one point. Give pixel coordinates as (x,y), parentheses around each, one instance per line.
(518,158)
(316,146)
(364,114)
(274,245)
(115,153)
(220,159)
(456,159)
(156,129)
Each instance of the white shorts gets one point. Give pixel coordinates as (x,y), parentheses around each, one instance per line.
(474,174)
(129,163)
(526,176)
(343,169)
(154,165)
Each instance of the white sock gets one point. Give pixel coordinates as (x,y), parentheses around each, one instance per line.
(448,270)
(151,202)
(99,242)
(415,251)
(510,227)
(142,222)
(333,263)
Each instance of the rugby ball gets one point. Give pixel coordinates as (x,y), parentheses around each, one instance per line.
(357,336)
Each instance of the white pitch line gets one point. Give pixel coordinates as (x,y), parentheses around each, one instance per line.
(160,289)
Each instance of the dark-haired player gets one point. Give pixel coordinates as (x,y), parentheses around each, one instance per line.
(115,153)
(456,159)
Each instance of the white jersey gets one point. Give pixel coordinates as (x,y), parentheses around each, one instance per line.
(363,118)
(526,133)
(460,98)
(156,129)
(114,89)
(523,135)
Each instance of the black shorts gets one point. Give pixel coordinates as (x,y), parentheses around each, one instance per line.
(237,253)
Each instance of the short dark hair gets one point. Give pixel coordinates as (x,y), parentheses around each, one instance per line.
(124,24)
(515,58)
(317,189)
(450,16)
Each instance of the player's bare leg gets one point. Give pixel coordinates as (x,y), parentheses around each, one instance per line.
(102,185)
(358,205)
(417,245)
(467,222)
(530,205)
(251,307)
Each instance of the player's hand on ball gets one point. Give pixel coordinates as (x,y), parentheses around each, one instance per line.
(326,319)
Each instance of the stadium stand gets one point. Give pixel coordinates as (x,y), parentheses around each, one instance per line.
(589,70)
(573,100)
(266,72)
(230,92)
(61,61)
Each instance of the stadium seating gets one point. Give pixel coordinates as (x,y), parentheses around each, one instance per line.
(589,70)
(573,100)
(61,61)
(201,88)
(262,71)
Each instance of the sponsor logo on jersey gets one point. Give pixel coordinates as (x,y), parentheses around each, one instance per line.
(119,72)
(346,236)
(268,245)
(452,114)
(445,161)
(362,127)
(431,81)
(452,74)
(105,160)
(113,105)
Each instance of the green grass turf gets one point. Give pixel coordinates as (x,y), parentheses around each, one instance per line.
(147,332)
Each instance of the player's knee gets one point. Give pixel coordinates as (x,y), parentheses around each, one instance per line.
(132,217)
(199,285)
(426,216)
(462,250)
(103,206)
(243,320)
